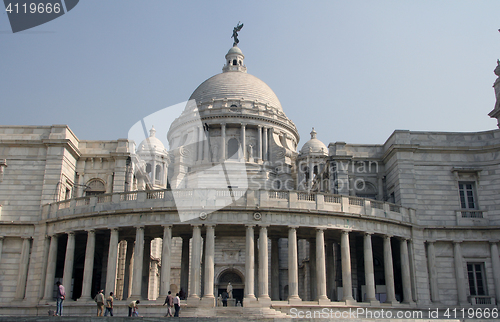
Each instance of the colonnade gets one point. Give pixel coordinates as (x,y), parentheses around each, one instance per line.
(134,288)
(220,153)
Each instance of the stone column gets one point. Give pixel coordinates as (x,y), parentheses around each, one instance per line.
(112,261)
(208,299)
(138,261)
(51,269)
(275,269)
(459,274)
(109,183)
(411,256)
(431,261)
(330,271)
(243,142)
(45,256)
(311,173)
(312,270)
(206,153)
(265,145)
(129,270)
(68,263)
(88,269)
(200,146)
(293,267)
(223,142)
(166,262)
(495,263)
(345,253)
(194,285)
(389,271)
(249,267)
(259,153)
(405,272)
(1,246)
(81,187)
(321,267)
(22,273)
(146,268)
(369,270)
(264,298)
(185,264)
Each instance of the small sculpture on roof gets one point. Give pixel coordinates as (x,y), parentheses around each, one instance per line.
(235,33)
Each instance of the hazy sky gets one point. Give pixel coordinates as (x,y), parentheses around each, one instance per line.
(355,70)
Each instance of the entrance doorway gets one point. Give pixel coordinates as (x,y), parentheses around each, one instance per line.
(231,276)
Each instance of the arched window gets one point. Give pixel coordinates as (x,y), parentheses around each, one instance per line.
(232,148)
(95,187)
(235,62)
(158,172)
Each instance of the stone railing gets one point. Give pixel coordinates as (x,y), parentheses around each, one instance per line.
(482,300)
(214,199)
(472,217)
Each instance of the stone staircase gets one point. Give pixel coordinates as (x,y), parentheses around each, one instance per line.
(232,312)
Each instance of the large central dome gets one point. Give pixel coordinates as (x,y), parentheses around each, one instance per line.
(236,85)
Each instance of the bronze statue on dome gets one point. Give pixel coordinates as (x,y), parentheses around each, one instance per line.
(235,33)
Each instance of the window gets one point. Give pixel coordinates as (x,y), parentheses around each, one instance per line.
(158,172)
(467,195)
(232,148)
(95,187)
(475,271)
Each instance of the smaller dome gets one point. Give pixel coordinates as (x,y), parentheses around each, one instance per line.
(314,146)
(152,143)
(234,50)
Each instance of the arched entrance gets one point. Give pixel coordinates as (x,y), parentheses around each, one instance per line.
(236,279)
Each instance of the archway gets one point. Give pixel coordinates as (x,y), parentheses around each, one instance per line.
(234,277)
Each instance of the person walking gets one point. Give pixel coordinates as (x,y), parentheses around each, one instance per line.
(61,296)
(109,305)
(177,305)
(99,299)
(169,301)
(132,307)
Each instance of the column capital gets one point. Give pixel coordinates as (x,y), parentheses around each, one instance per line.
(26,237)
(402,238)
(90,231)
(293,227)
(430,241)
(243,124)
(196,225)
(263,226)
(250,225)
(457,241)
(113,229)
(367,233)
(387,236)
(320,229)
(210,225)
(139,227)
(259,126)
(223,124)
(494,241)
(346,231)
(167,226)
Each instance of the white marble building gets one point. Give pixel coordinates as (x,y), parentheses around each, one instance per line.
(413,222)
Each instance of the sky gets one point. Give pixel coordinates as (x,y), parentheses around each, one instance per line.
(354,70)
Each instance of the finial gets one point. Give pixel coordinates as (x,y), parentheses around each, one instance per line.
(313,134)
(152,132)
(235,33)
